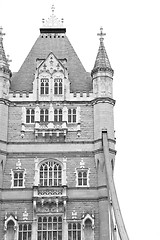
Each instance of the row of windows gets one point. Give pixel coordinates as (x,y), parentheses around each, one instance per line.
(44,86)
(50,174)
(50,228)
(44,115)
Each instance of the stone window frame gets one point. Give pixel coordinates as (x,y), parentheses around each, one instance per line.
(73,232)
(18,170)
(58,115)
(29,115)
(49,222)
(82,169)
(58,86)
(25,233)
(44,115)
(72,115)
(52,176)
(39,162)
(44,86)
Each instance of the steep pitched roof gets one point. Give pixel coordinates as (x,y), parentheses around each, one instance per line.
(61,48)
(102,62)
(3,59)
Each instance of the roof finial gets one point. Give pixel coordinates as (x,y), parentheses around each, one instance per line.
(53,8)
(101,34)
(1,33)
(52,21)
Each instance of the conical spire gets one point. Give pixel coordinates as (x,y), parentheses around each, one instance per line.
(102,62)
(3,59)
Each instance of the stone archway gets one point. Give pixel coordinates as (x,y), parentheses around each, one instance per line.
(88,230)
(10,233)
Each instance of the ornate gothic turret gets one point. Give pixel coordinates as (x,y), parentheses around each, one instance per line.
(102,72)
(5,75)
(5,72)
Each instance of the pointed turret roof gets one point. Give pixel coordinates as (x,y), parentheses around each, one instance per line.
(102,62)
(3,59)
(52,39)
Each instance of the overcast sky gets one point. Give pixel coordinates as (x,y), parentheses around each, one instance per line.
(133,45)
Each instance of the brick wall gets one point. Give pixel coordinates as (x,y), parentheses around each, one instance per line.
(15,121)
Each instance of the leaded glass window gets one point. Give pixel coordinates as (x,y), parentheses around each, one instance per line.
(74,231)
(50,174)
(25,231)
(49,228)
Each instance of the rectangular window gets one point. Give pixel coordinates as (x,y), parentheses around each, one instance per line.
(18,179)
(44,87)
(58,86)
(82,177)
(25,231)
(74,231)
(30,115)
(58,115)
(72,115)
(49,228)
(44,115)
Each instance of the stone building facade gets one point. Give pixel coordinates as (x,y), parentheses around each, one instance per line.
(52,112)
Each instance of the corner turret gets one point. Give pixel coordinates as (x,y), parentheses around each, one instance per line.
(102,72)
(5,73)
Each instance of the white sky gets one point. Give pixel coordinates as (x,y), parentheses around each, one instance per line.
(133,45)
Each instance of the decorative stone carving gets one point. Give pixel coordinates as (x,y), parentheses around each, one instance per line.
(25,215)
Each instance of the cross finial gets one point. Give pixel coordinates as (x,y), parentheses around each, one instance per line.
(101,34)
(1,32)
(53,8)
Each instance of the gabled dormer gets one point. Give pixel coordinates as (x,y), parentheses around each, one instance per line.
(51,81)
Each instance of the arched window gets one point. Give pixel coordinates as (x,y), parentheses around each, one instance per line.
(50,174)
(44,86)
(44,115)
(58,86)
(10,230)
(50,228)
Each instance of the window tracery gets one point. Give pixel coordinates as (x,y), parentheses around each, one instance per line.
(50,174)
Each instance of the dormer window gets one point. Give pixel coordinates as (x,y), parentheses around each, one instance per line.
(44,88)
(58,115)
(44,115)
(58,86)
